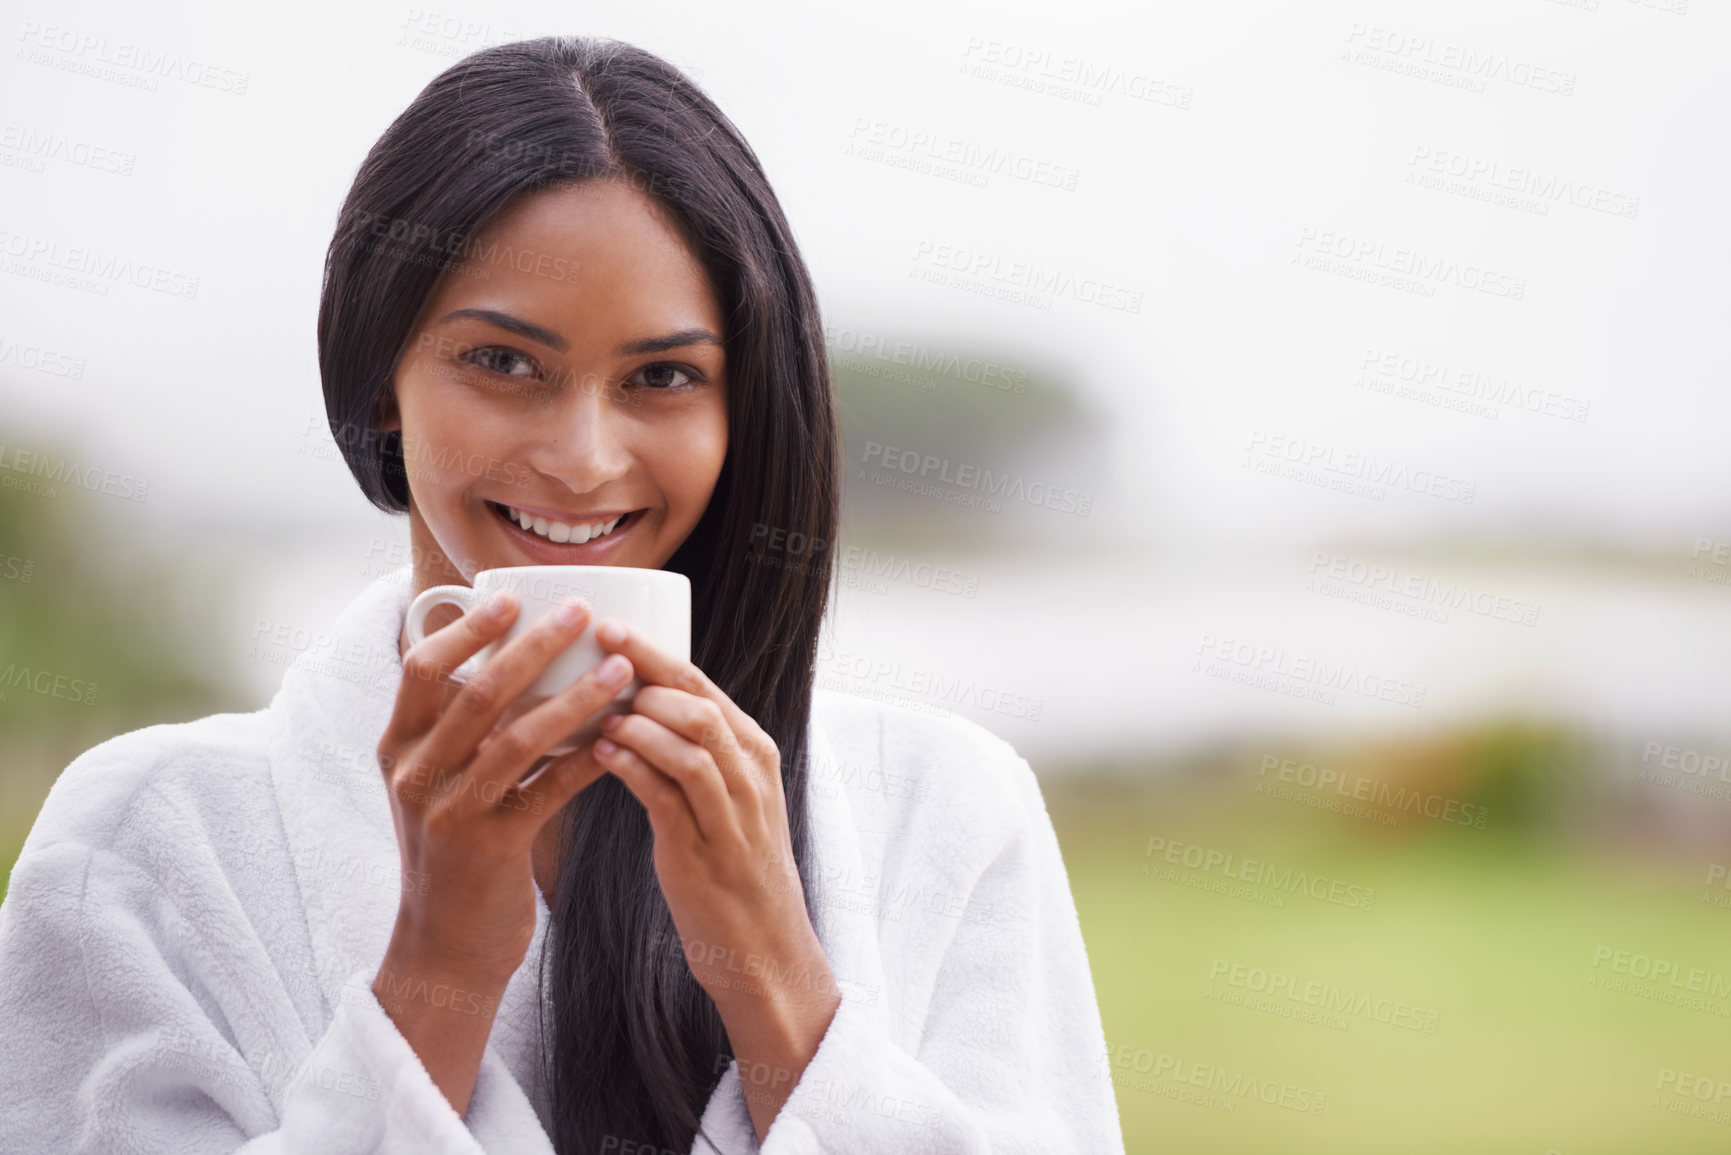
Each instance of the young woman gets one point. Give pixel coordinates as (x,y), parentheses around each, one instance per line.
(564,321)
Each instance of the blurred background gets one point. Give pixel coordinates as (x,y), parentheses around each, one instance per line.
(1299,430)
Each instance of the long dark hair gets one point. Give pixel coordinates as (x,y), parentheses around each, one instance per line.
(635,1045)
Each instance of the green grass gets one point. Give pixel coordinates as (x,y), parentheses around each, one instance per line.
(1494,932)
(1496,935)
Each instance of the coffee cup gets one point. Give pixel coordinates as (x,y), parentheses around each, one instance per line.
(653,603)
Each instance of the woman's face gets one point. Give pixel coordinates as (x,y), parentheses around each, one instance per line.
(569,373)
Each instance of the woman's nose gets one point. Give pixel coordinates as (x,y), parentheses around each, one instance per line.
(582,439)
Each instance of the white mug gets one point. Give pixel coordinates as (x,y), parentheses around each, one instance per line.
(654,603)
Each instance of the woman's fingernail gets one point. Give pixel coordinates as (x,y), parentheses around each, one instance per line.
(610,722)
(603,746)
(569,614)
(613,668)
(497,604)
(612,631)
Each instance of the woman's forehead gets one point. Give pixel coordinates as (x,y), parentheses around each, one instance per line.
(589,257)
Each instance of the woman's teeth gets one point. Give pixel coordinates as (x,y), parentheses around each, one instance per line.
(558,531)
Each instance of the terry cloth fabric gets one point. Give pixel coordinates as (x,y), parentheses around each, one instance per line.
(192,930)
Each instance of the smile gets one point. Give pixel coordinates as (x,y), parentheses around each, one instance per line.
(560,532)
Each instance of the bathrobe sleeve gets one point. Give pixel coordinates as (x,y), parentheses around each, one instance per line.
(119,1033)
(1011,1056)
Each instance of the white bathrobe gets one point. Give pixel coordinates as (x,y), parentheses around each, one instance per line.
(192,930)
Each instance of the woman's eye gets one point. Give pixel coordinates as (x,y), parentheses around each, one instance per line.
(501,360)
(663,375)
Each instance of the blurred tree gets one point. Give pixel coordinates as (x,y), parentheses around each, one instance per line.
(1531,775)
(89,645)
(983,410)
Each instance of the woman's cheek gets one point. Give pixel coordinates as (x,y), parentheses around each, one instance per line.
(703,449)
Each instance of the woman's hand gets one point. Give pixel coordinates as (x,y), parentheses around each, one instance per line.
(466,823)
(710,780)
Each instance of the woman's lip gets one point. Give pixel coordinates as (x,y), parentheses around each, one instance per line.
(547,552)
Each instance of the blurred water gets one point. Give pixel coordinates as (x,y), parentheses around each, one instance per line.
(1085,656)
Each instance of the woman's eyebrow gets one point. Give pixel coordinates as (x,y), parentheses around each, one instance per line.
(671,341)
(553,340)
(516,325)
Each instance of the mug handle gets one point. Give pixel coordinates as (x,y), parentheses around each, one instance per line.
(463,597)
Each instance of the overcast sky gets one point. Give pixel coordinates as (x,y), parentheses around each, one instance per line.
(1546,178)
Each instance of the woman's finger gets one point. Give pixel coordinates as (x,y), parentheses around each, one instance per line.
(506,754)
(700,721)
(430,662)
(474,710)
(670,815)
(655,666)
(686,763)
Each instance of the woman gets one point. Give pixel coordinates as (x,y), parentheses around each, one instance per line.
(564,322)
